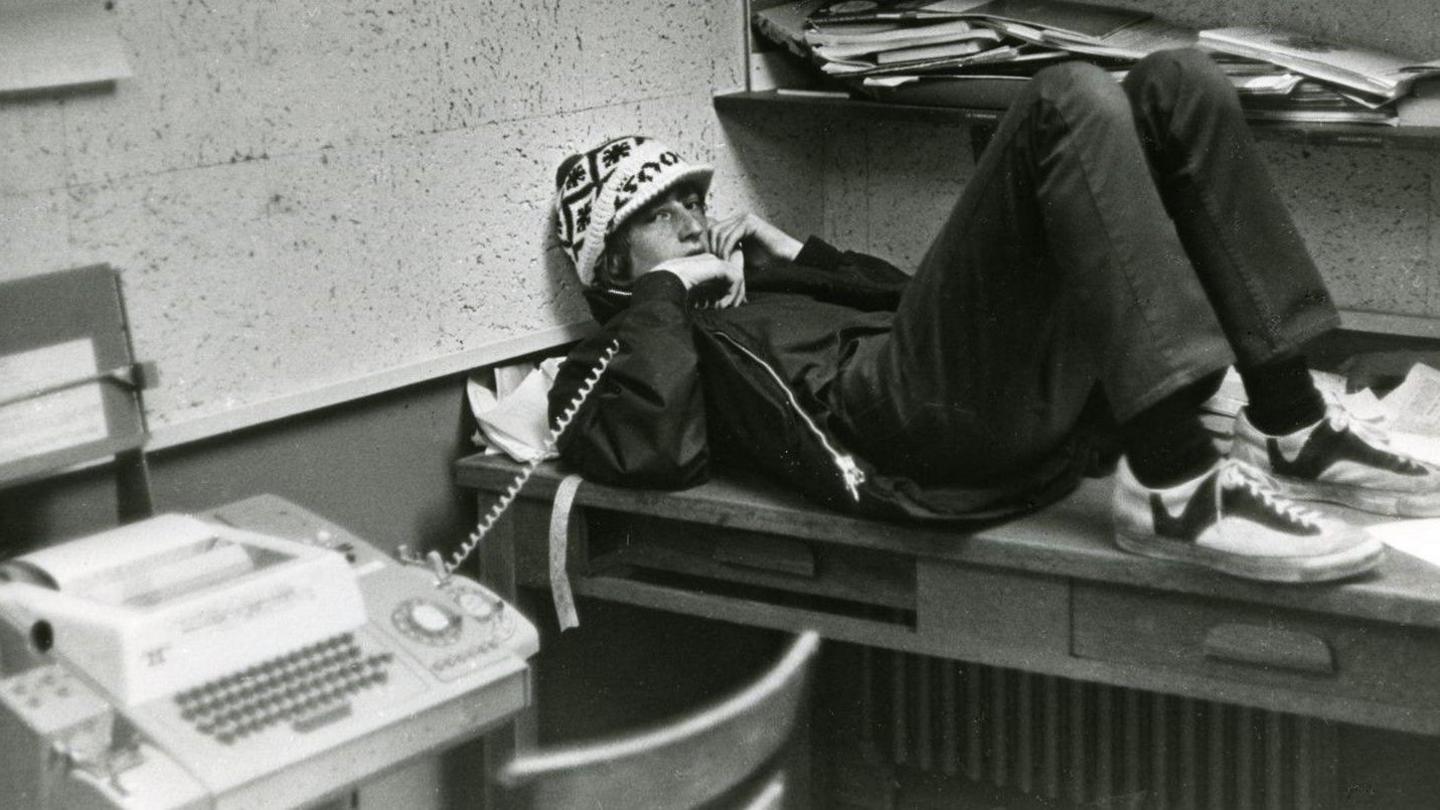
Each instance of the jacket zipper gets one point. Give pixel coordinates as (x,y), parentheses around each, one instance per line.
(850,472)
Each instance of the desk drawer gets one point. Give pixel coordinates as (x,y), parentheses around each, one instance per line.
(992,616)
(760,565)
(1257,645)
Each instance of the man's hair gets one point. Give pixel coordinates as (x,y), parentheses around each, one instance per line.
(613,269)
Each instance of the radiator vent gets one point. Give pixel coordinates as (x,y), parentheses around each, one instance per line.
(1089,744)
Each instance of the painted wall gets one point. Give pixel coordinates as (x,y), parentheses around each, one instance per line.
(379,466)
(301,195)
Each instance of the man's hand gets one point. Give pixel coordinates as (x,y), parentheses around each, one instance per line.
(762,242)
(713,282)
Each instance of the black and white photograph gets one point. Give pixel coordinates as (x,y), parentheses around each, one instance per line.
(757,404)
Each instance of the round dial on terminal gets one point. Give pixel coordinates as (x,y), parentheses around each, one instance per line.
(475,604)
(426,621)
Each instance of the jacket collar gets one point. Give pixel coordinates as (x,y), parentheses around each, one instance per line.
(606,302)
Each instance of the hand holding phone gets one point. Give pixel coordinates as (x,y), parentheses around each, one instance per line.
(712,282)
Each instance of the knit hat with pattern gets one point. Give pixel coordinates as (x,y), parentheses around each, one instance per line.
(596,191)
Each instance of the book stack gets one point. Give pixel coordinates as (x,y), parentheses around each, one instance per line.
(888,45)
(969,53)
(979,53)
(1316,103)
(1376,76)
(1342,82)
(863,49)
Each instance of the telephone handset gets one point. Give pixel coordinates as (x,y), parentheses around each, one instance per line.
(443,568)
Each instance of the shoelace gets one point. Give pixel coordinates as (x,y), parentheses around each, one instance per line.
(1342,420)
(1236,474)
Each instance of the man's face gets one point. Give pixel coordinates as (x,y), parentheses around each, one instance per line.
(668,228)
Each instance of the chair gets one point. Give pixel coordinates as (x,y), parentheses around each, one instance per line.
(727,754)
(42,318)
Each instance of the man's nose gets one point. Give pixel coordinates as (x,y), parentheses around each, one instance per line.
(691,224)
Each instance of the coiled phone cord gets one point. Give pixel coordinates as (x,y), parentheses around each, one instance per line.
(486,523)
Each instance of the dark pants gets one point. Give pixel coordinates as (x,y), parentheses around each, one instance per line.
(1128,238)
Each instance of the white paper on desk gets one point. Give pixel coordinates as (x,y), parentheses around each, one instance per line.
(1230,397)
(1365,405)
(1362,404)
(1410,414)
(1414,406)
(1418,538)
(516,423)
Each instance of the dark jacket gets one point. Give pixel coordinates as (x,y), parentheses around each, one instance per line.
(751,386)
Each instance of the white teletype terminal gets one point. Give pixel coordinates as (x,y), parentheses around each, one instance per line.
(182,662)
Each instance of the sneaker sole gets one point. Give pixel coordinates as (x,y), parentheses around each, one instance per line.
(1379,502)
(1348,563)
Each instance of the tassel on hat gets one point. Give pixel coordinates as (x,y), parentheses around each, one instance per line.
(598,190)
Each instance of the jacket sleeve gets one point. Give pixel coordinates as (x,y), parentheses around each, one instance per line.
(644,423)
(842,277)
(857,268)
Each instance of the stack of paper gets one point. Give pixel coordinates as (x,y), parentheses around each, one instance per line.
(1085,21)
(953,37)
(976,53)
(1218,412)
(841,51)
(1367,71)
(973,53)
(1132,42)
(1315,102)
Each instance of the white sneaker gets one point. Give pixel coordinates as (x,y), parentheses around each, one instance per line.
(1339,460)
(1231,519)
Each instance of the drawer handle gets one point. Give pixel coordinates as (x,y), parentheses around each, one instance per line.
(776,554)
(1269,647)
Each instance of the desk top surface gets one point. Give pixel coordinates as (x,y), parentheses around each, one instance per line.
(1071,538)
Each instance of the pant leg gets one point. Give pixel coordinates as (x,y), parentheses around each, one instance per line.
(1239,236)
(1058,268)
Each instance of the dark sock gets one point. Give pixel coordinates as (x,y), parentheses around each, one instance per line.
(1282,395)
(1166,444)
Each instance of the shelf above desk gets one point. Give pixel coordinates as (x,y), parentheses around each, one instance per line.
(774,102)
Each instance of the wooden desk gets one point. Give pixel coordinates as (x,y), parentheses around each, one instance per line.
(1047,593)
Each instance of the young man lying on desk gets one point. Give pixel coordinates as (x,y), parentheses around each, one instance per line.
(1116,250)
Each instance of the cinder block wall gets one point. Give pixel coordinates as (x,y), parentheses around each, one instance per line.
(275,169)
(359,148)
(1368,215)
(340,148)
